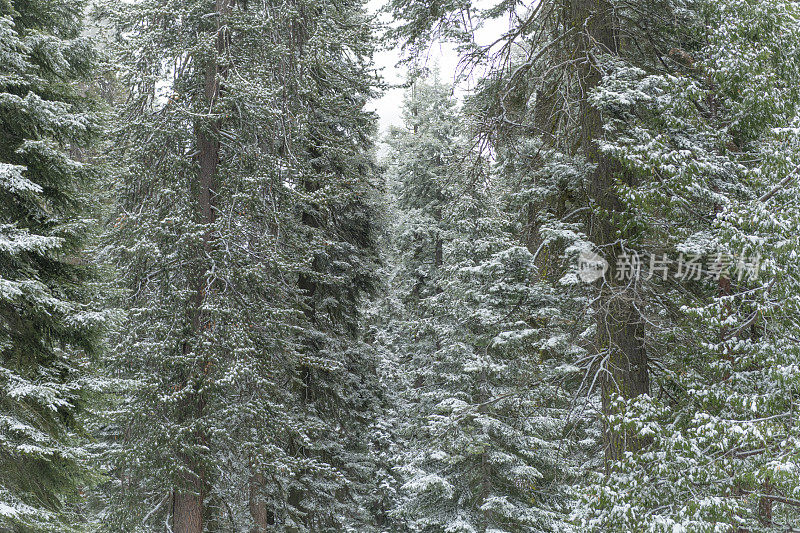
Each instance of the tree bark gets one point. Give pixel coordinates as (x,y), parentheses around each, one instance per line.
(262,516)
(765,504)
(187,512)
(621,332)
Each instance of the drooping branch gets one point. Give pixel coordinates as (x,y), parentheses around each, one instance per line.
(783,183)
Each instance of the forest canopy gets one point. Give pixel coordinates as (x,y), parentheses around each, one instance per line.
(557,294)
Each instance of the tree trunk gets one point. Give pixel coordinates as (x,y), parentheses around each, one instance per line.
(765,504)
(187,512)
(621,332)
(262,516)
(188,505)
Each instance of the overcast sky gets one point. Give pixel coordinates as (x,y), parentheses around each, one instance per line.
(440,56)
(389,106)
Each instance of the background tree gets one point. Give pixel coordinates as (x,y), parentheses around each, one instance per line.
(474,438)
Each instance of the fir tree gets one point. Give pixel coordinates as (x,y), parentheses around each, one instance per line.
(245,251)
(48,332)
(476,441)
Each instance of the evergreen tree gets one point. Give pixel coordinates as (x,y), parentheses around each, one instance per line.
(719,448)
(477,442)
(244,243)
(48,332)
(417,175)
(645,127)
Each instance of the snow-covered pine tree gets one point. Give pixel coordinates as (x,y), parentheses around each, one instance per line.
(561,105)
(334,381)
(478,446)
(244,244)
(416,176)
(47,330)
(721,137)
(422,152)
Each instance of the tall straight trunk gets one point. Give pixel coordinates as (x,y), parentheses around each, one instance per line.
(262,516)
(187,512)
(188,499)
(307,284)
(621,332)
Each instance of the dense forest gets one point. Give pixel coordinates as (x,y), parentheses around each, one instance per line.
(561,296)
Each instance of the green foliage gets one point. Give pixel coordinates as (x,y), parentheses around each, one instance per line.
(48,331)
(270,380)
(476,444)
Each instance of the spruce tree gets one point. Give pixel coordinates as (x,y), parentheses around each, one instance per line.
(244,241)
(48,332)
(475,441)
(651,128)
